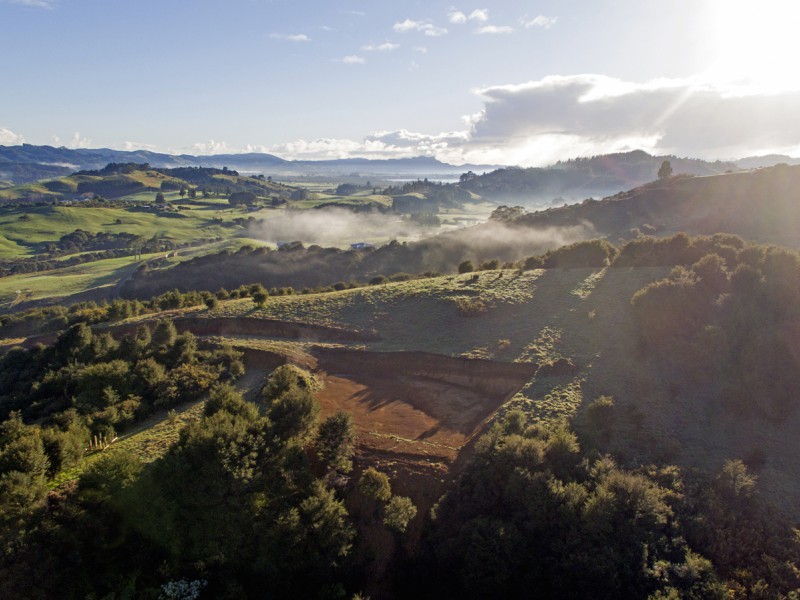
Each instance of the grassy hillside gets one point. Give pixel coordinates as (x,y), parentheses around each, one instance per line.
(579,321)
(761,205)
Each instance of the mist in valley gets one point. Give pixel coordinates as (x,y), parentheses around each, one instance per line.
(402,245)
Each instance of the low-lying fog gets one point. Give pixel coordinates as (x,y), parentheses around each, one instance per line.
(436,248)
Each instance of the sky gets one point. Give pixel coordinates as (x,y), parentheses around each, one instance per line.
(514,82)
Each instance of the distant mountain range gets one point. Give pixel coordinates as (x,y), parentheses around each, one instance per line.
(564,182)
(62,161)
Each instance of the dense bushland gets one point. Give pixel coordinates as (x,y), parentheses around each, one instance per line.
(534,514)
(234,509)
(728,321)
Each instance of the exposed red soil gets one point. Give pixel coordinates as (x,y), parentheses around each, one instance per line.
(415,404)
(414,412)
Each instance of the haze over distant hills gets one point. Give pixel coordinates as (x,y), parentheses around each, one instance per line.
(567,181)
(69,160)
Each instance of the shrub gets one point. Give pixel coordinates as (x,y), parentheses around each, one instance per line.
(470,307)
(466,267)
(375,485)
(398,513)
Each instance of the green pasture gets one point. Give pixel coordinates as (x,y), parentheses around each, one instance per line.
(63,282)
(25,231)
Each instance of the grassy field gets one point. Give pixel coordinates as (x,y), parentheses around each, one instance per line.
(24,231)
(101,276)
(533,316)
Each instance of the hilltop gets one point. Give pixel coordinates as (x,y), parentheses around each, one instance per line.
(576,179)
(761,205)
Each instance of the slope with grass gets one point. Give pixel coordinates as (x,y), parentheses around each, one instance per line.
(574,327)
(760,205)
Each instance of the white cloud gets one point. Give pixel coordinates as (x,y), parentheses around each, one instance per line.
(290,37)
(132,146)
(425,27)
(456,16)
(76,141)
(378,145)
(479,14)
(494,29)
(599,113)
(353,59)
(211,147)
(384,47)
(9,138)
(539,122)
(420,49)
(539,21)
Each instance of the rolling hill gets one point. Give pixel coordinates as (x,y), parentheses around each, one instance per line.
(573,180)
(761,205)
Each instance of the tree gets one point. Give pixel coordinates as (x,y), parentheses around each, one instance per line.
(335,441)
(374,484)
(284,378)
(260,297)
(160,198)
(466,267)
(293,414)
(398,513)
(247,198)
(665,171)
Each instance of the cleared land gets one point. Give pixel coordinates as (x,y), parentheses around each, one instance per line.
(569,331)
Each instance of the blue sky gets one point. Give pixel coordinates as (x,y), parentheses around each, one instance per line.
(513,82)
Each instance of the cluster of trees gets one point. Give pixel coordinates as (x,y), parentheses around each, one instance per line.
(111,383)
(729,320)
(54,318)
(534,514)
(81,241)
(248,503)
(116,169)
(114,186)
(90,247)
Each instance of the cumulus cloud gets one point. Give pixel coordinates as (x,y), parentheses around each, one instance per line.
(384,47)
(420,49)
(539,122)
(9,138)
(479,14)
(377,145)
(456,16)
(327,149)
(211,147)
(131,146)
(459,18)
(539,21)
(76,141)
(353,59)
(290,37)
(494,29)
(420,143)
(425,27)
(673,116)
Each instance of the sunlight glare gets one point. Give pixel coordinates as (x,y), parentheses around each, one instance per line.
(757,45)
